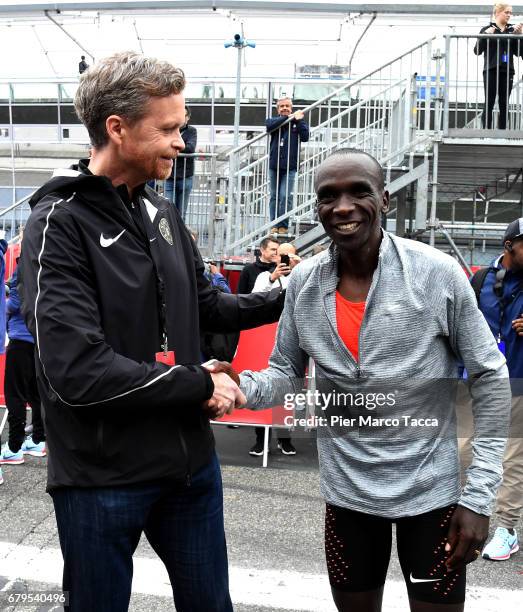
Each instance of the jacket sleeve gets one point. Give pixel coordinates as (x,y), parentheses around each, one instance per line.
(481,44)
(489,386)
(192,138)
(244,282)
(13,301)
(60,307)
(287,363)
(303,130)
(227,312)
(263,283)
(220,282)
(273,122)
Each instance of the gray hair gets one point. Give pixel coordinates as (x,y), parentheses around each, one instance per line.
(122,85)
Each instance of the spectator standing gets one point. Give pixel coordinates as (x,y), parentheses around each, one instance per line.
(498,67)
(500,298)
(267,281)
(3,250)
(179,185)
(20,386)
(283,159)
(265,261)
(82,65)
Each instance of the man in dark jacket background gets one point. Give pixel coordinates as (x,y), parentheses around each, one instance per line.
(178,186)
(266,261)
(283,162)
(114,292)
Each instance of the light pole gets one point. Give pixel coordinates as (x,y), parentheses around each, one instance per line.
(234,200)
(239,43)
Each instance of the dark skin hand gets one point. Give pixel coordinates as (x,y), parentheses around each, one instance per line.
(467,535)
(517,325)
(216,366)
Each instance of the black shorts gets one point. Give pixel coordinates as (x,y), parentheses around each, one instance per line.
(358,547)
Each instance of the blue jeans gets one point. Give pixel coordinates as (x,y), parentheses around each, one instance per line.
(282,189)
(99,529)
(182,191)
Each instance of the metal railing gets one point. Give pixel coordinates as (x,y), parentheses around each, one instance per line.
(394,113)
(198,192)
(388,113)
(483,93)
(14,217)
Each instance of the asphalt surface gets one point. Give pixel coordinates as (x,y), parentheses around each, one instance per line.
(274,525)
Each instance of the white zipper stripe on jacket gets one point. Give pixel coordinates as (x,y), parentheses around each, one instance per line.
(38,334)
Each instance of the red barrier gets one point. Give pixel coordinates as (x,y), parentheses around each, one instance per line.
(254,349)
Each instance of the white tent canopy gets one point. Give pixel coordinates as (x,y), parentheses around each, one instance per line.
(191,33)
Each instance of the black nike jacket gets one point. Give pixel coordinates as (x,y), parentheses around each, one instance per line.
(103,281)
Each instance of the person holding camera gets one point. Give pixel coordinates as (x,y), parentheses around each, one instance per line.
(266,281)
(498,68)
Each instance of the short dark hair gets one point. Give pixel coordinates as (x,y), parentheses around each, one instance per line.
(188,111)
(266,240)
(346,151)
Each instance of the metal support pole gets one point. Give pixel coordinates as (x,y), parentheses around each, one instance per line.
(69,35)
(434,202)
(401,199)
(454,247)
(447,87)
(212,209)
(12,142)
(236,138)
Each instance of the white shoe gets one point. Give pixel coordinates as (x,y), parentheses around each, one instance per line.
(502,546)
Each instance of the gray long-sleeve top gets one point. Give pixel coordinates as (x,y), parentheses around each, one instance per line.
(421,319)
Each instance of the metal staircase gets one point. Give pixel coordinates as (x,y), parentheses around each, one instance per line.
(420,116)
(389,113)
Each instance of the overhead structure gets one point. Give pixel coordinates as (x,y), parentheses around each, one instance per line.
(418,7)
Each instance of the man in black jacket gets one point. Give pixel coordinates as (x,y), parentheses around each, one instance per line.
(266,261)
(114,292)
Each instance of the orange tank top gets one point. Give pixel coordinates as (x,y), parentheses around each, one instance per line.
(349,316)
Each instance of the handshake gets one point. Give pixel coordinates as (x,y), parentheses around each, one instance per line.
(227,395)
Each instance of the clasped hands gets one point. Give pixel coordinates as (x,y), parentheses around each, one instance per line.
(226,395)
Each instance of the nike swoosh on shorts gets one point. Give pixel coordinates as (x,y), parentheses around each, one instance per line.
(414,580)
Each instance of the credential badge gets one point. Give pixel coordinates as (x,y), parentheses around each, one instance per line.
(165,231)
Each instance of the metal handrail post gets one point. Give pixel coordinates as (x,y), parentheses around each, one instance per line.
(434,201)
(428,89)
(212,208)
(447,87)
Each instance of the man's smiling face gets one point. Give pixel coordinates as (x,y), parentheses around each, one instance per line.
(351,198)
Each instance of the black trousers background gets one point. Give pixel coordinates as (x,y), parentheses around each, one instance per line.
(497,83)
(20,389)
(260,432)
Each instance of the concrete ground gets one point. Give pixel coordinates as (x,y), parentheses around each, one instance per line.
(274,524)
